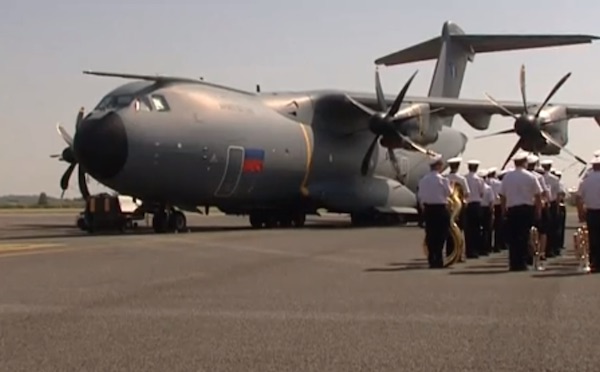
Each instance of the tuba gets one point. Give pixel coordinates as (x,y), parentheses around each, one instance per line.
(535,249)
(455,206)
(581,243)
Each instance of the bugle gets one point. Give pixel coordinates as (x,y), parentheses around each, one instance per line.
(455,206)
(536,249)
(581,244)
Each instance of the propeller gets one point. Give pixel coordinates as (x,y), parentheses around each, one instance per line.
(386,124)
(68,156)
(530,125)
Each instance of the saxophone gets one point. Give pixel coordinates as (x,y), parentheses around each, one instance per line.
(454,206)
(535,249)
(581,243)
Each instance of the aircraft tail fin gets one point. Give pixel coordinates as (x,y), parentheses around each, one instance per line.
(453,49)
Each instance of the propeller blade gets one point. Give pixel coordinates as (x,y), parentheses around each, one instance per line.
(364,168)
(497,104)
(582,172)
(549,138)
(379,91)
(359,105)
(64,180)
(54,156)
(552,93)
(419,148)
(507,131)
(83,188)
(512,153)
(522,85)
(64,134)
(79,118)
(396,105)
(395,165)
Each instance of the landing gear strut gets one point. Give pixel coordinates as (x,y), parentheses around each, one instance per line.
(271,219)
(169,220)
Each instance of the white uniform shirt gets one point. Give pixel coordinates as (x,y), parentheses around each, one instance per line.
(589,191)
(542,182)
(495,184)
(434,189)
(476,185)
(553,185)
(460,179)
(488,196)
(519,187)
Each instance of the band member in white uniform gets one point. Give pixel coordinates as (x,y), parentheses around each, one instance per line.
(588,208)
(487,215)
(455,178)
(473,241)
(521,196)
(562,211)
(554,199)
(542,223)
(434,190)
(494,182)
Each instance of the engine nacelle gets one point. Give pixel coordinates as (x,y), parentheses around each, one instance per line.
(419,128)
(477,121)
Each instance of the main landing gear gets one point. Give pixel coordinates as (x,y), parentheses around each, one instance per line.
(375,218)
(169,220)
(271,219)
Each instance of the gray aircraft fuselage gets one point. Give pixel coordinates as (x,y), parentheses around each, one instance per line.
(185,144)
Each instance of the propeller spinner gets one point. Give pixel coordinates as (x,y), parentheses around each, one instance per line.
(386,125)
(530,125)
(68,155)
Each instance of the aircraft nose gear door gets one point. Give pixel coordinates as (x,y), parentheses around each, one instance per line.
(232,173)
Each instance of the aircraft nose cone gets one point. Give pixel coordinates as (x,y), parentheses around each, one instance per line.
(101,145)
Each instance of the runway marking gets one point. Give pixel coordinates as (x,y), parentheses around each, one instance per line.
(17,247)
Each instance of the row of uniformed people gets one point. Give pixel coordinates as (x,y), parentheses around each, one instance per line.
(588,208)
(483,215)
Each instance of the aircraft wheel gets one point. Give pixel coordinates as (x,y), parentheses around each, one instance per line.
(159,222)
(177,221)
(256,220)
(271,221)
(299,220)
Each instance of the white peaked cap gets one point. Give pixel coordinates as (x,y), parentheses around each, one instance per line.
(435,159)
(546,162)
(532,158)
(595,160)
(597,153)
(474,162)
(455,160)
(558,173)
(492,170)
(482,173)
(521,156)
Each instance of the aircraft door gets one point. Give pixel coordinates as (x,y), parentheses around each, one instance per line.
(232,173)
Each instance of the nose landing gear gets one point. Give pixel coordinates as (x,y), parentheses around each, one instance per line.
(169,220)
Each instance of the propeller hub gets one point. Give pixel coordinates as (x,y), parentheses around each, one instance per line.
(68,155)
(527,126)
(101,145)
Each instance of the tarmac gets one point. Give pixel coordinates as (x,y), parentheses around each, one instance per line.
(224,297)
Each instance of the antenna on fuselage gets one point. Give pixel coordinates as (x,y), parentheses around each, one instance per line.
(257,88)
(201,78)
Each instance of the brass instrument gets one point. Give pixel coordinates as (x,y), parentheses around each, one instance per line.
(455,206)
(536,249)
(581,243)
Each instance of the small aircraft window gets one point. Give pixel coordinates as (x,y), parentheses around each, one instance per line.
(159,102)
(142,104)
(114,102)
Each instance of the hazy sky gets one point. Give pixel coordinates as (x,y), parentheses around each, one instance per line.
(44,46)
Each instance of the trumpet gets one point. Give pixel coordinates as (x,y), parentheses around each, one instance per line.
(535,249)
(581,243)
(455,206)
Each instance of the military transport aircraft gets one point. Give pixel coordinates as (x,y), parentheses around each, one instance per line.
(179,142)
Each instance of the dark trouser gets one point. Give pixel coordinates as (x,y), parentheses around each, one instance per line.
(437,224)
(562,220)
(486,230)
(498,229)
(419,215)
(473,230)
(461,226)
(553,247)
(592,218)
(519,220)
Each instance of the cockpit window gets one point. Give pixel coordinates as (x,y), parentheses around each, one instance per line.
(159,102)
(114,102)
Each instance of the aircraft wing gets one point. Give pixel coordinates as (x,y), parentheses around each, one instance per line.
(461,106)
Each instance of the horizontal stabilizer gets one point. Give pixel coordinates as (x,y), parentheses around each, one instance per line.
(480,43)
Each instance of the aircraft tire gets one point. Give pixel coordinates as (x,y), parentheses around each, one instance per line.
(177,221)
(298,220)
(159,222)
